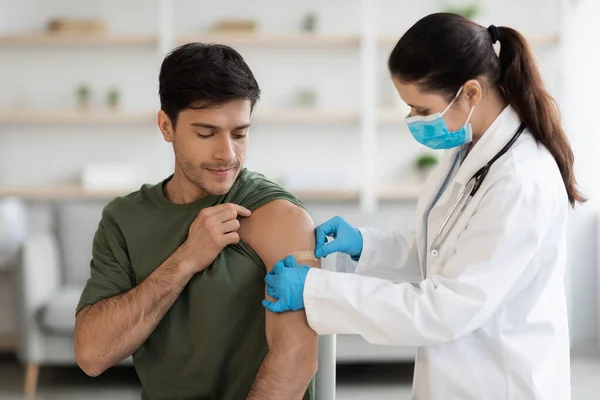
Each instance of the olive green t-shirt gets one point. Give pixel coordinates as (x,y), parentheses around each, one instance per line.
(212,341)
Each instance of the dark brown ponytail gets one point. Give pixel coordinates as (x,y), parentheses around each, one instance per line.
(443,51)
(522,87)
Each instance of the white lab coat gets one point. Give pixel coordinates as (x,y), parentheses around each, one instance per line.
(488,314)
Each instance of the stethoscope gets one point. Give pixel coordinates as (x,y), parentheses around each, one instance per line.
(467,194)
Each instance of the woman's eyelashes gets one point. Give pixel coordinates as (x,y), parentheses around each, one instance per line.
(419,111)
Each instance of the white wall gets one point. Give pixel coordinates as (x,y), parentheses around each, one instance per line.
(47,77)
(580,104)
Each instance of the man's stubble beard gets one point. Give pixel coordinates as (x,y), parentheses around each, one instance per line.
(193,172)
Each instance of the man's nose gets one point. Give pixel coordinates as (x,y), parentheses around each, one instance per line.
(224,150)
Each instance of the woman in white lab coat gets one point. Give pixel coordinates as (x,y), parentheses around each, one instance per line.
(478,290)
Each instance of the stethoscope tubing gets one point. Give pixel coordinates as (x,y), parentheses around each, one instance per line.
(476,180)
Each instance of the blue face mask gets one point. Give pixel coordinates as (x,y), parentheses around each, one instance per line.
(432,131)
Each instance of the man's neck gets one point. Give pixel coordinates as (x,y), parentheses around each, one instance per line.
(180,190)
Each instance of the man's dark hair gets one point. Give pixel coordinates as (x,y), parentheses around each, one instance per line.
(197,75)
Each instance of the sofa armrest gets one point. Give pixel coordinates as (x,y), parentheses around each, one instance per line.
(40,270)
(39,278)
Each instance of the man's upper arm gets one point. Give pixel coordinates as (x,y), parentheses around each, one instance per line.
(274,231)
(108,276)
(278,229)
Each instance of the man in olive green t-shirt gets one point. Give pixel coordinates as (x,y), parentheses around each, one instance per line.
(177,273)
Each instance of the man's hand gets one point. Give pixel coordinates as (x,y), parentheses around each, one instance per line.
(214,229)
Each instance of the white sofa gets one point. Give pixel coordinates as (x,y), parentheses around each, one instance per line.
(52,273)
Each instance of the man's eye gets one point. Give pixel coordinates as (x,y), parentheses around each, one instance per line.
(204,135)
(239,134)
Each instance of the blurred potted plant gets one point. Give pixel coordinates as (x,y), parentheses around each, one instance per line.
(306,98)
(425,163)
(113,98)
(83,97)
(467,10)
(309,22)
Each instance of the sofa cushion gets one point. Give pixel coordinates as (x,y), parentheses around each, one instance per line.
(76,224)
(58,315)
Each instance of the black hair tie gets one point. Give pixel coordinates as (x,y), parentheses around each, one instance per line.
(494,32)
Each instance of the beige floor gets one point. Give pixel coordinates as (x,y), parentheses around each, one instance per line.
(382,382)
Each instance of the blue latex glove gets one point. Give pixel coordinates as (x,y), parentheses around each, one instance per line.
(285,283)
(346,239)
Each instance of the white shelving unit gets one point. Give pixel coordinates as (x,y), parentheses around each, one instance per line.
(91,117)
(52,193)
(546,40)
(303,116)
(233,39)
(61,40)
(262,116)
(273,40)
(367,41)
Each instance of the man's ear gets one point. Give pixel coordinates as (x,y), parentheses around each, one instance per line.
(165,126)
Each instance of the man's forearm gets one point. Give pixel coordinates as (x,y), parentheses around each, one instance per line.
(288,367)
(112,329)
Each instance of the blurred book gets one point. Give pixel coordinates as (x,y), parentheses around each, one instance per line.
(235,26)
(71,26)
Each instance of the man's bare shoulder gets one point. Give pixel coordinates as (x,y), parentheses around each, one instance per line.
(277,229)
(278,215)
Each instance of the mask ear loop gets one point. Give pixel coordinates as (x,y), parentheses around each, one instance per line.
(469,117)
(453,100)
(450,105)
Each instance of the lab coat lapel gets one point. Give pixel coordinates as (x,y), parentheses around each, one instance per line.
(430,191)
(491,142)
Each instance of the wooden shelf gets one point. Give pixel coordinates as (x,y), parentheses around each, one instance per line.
(400,193)
(327,195)
(393,193)
(283,116)
(306,116)
(78,193)
(74,192)
(237,39)
(273,39)
(69,192)
(77,40)
(251,39)
(545,40)
(74,117)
